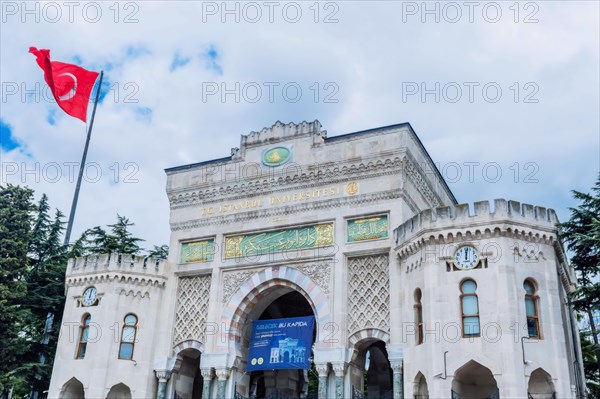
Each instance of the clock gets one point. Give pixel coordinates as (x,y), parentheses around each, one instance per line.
(89,296)
(466,257)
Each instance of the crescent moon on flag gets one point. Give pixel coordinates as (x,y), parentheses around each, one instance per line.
(73,90)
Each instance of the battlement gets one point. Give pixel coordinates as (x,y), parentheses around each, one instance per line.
(280,131)
(116,262)
(459,215)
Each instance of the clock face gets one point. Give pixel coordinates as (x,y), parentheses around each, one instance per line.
(466,257)
(89,296)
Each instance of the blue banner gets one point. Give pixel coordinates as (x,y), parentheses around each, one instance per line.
(281,344)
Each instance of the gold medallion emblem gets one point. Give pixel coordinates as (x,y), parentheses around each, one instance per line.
(352,188)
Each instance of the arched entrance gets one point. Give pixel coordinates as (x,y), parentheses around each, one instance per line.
(119,391)
(474,381)
(280,302)
(540,385)
(420,387)
(372,361)
(73,389)
(187,380)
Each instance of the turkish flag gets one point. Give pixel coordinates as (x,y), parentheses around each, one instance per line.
(71,85)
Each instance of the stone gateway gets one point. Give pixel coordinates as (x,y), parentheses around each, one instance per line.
(413,295)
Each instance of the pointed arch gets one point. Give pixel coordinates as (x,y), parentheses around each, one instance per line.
(72,389)
(259,286)
(420,389)
(119,391)
(474,380)
(540,384)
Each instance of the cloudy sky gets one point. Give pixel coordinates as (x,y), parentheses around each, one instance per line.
(504,95)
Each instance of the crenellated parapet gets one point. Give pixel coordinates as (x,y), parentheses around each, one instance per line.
(280,131)
(111,264)
(519,215)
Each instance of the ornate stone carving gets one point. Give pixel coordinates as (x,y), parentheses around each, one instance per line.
(222,374)
(338,369)
(322,369)
(336,203)
(233,280)
(163,375)
(192,308)
(320,273)
(415,176)
(368,292)
(332,173)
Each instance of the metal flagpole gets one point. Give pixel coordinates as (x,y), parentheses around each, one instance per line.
(85,150)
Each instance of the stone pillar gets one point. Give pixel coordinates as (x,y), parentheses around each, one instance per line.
(207,376)
(222,375)
(398,369)
(323,370)
(163,376)
(339,369)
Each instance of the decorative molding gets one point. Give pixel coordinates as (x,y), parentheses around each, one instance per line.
(138,294)
(116,278)
(241,217)
(420,183)
(330,173)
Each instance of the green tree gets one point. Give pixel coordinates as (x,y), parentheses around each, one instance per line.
(157,252)
(45,299)
(581,233)
(15,234)
(98,241)
(121,240)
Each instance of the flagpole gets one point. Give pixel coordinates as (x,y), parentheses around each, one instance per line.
(85,150)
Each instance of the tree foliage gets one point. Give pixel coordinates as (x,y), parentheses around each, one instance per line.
(99,241)
(15,233)
(581,233)
(32,279)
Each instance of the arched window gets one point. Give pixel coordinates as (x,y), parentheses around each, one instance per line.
(84,330)
(531,309)
(128,337)
(469,307)
(419,316)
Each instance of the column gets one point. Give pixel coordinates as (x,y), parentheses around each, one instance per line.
(222,375)
(207,376)
(323,370)
(339,369)
(163,376)
(398,369)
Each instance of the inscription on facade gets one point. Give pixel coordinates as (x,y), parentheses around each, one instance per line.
(197,251)
(351,188)
(279,240)
(370,228)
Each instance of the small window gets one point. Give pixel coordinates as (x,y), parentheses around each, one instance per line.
(419,316)
(84,331)
(469,306)
(128,335)
(531,309)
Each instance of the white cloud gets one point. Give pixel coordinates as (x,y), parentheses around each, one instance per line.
(367,56)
